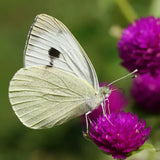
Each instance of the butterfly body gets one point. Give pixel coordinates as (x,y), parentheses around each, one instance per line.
(58,81)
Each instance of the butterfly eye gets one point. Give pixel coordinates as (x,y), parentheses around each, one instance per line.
(104,93)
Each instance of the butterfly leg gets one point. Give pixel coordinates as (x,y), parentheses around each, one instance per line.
(106,99)
(87,121)
(103,104)
(103,108)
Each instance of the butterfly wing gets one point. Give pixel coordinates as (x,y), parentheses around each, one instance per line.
(51,43)
(43,97)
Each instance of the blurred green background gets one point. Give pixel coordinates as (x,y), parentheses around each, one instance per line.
(96,24)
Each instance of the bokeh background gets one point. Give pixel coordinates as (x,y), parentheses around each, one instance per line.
(97,26)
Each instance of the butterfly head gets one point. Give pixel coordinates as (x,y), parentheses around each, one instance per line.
(105,91)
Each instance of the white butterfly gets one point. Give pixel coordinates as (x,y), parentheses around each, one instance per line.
(58,81)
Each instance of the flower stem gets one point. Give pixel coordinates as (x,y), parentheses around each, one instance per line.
(127,10)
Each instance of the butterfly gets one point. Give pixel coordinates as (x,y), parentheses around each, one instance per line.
(58,81)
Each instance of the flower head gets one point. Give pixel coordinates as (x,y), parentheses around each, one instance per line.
(139,46)
(119,133)
(146,92)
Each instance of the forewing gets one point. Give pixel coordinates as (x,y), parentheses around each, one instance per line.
(51,43)
(43,97)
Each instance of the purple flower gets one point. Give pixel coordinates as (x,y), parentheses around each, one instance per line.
(146,92)
(117,101)
(120,134)
(139,46)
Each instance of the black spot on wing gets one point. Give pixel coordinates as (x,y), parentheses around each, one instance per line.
(53,53)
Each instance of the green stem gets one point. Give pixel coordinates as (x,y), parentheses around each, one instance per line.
(127,10)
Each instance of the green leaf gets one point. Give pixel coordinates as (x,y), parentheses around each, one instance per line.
(145,146)
(154,8)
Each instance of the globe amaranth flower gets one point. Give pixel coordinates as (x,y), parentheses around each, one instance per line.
(146,92)
(117,101)
(119,133)
(139,46)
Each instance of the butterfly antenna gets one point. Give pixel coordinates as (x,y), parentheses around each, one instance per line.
(126,76)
